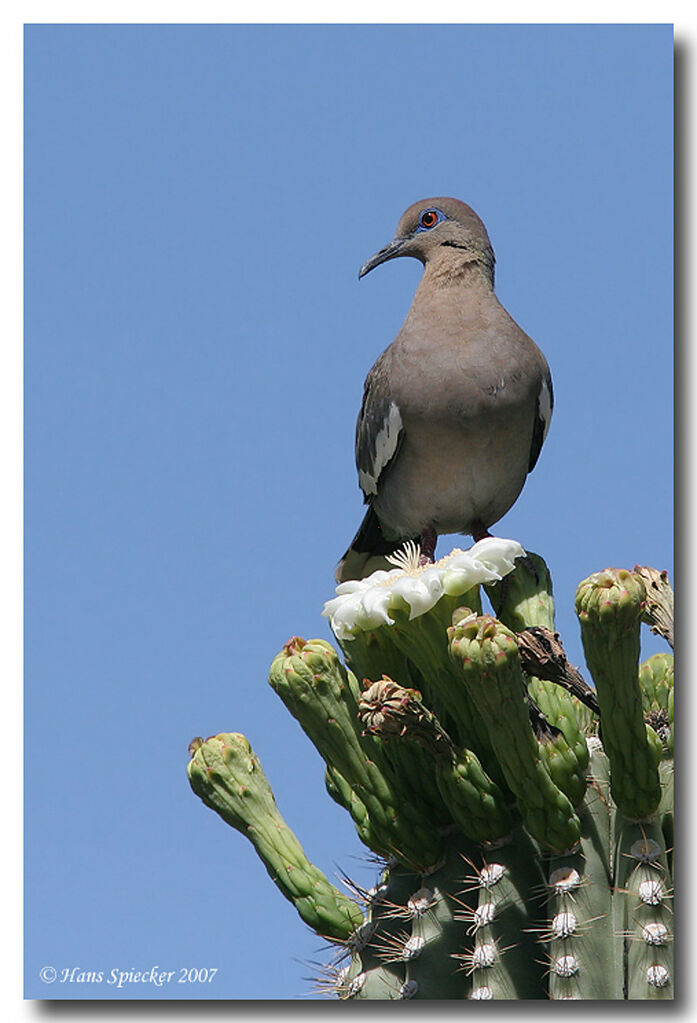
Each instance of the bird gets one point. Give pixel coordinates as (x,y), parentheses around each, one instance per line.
(456,409)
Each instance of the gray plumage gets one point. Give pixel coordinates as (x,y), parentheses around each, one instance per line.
(455,411)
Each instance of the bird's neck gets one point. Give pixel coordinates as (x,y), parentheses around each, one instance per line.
(460,267)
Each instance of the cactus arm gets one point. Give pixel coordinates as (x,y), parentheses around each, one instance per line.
(487,654)
(524,602)
(562,746)
(321,695)
(370,655)
(609,606)
(476,802)
(424,640)
(342,793)
(227,775)
(418,771)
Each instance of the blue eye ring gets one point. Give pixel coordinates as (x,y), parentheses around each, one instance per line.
(429,218)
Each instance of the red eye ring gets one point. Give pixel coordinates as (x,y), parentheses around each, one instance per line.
(429,218)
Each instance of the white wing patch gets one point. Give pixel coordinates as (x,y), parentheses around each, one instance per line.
(544,407)
(384,446)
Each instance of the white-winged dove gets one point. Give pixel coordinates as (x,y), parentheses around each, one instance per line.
(455,411)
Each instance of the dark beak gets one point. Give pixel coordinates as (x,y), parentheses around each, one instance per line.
(390,251)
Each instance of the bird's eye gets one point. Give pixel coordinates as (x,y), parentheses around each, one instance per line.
(429,218)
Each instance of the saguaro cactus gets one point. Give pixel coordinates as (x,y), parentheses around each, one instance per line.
(524,818)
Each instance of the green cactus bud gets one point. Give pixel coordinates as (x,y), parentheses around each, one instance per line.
(227,775)
(411,761)
(563,747)
(565,768)
(558,707)
(487,655)
(609,606)
(656,678)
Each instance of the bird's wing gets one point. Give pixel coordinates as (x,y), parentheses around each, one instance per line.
(543,415)
(379,430)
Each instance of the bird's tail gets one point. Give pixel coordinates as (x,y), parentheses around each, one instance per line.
(368,550)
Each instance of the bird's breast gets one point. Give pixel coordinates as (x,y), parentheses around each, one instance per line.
(467,380)
(467,405)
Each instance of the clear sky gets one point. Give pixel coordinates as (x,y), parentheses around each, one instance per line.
(198,202)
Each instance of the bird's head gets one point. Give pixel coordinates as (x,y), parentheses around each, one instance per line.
(433,227)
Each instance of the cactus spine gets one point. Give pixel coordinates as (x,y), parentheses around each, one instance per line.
(524,818)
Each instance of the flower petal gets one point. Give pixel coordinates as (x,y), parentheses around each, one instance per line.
(364,604)
(420,592)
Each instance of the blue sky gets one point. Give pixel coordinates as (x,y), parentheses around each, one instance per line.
(198,202)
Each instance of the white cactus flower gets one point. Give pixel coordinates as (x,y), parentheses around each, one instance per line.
(364,604)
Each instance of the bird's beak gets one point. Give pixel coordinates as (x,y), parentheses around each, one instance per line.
(389,252)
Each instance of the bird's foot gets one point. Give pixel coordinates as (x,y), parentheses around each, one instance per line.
(427,542)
